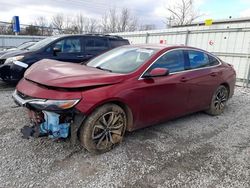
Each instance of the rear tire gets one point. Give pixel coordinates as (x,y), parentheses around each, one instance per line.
(219,100)
(103,129)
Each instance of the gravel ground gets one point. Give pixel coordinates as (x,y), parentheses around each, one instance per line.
(194,151)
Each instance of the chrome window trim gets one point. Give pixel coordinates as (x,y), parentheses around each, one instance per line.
(184,49)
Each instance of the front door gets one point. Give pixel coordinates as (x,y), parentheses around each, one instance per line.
(70,50)
(164,97)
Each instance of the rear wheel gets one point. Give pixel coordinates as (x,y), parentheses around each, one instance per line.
(219,100)
(103,129)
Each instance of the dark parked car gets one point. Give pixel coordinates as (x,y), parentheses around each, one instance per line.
(125,89)
(22,46)
(69,48)
(13,51)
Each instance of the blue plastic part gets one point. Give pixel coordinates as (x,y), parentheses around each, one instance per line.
(52,127)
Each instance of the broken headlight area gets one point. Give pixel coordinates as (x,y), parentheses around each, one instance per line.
(47,117)
(46,123)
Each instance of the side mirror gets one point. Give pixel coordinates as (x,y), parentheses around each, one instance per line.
(56,50)
(157,72)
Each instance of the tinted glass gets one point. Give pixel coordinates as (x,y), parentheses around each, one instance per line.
(96,44)
(43,43)
(115,43)
(213,61)
(173,61)
(122,59)
(69,45)
(197,59)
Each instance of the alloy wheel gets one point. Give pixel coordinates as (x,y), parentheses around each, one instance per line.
(108,130)
(220,99)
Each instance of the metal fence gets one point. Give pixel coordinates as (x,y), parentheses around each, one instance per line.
(231,42)
(9,41)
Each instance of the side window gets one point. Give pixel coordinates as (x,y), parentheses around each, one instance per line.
(96,44)
(115,43)
(198,59)
(173,61)
(213,61)
(69,45)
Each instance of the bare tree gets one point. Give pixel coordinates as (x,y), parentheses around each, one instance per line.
(79,23)
(92,25)
(133,24)
(57,22)
(104,23)
(31,30)
(124,20)
(118,21)
(113,20)
(68,27)
(6,29)
(42,23)
(182,13)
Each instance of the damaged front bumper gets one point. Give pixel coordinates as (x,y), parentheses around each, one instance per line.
(11,72)
(52,118)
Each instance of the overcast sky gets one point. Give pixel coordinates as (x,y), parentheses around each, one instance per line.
(147,11)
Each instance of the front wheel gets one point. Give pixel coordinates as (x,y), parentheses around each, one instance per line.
(103,129)
(219,100)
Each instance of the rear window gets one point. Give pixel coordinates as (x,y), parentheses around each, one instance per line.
(93,44)
(115,43)
(213,61)
(198,59)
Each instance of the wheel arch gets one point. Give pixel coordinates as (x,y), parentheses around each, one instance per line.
(227,86)
(124,106)
(128,112)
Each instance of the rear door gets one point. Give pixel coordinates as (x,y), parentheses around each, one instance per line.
(94,46)
(203,77)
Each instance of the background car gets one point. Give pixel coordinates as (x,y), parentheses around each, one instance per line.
(70,48)
(12,51)
(127,88)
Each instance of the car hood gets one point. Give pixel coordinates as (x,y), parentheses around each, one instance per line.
(69,75)
(13,53)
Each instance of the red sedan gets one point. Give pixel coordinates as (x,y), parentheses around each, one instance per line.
(125,89)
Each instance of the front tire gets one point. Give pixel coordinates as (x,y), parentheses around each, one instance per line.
(103,129)
(219,100)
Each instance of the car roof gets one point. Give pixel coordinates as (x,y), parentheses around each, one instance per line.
(162,46)
(92,35)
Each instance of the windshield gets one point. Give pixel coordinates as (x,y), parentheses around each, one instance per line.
(43,43)
(123,59)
